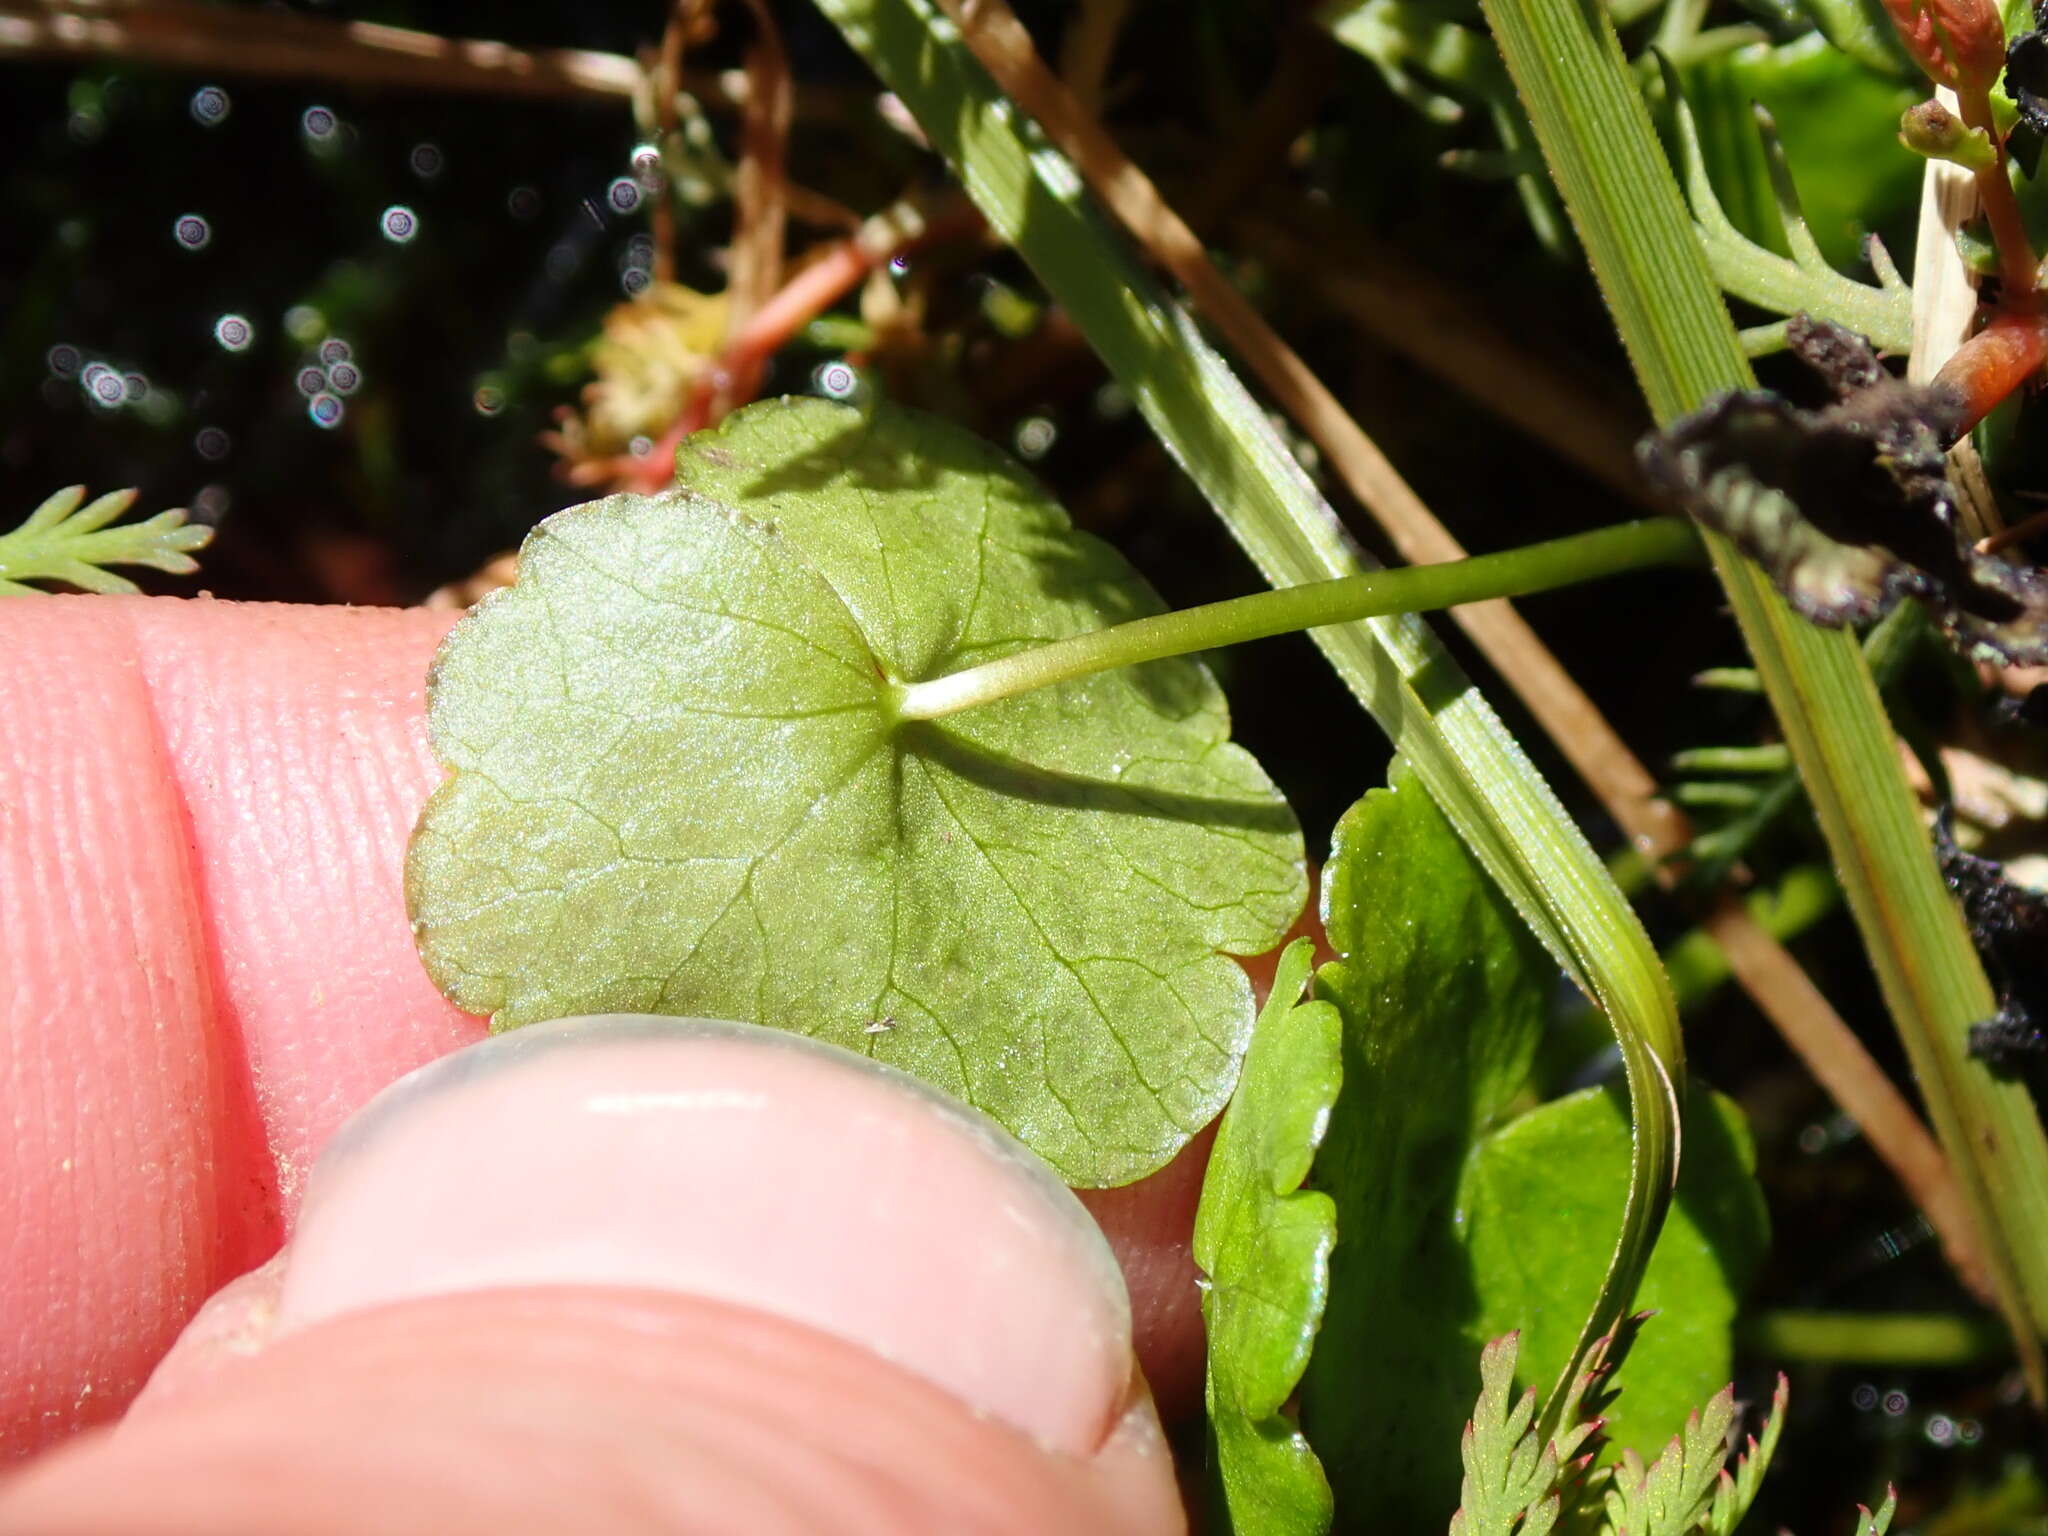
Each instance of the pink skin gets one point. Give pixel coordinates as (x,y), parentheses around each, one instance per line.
(203,808)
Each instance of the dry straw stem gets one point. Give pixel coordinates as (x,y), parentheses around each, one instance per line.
(186,34)
(1760,964)
(1436,327)
(761,189)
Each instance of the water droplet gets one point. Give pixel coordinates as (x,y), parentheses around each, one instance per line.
(210,106)
(400,224)
(210,505)
(640,446)
(192,232)
(234,333)
(636,281)
(522,203)
(900,265)
(647,168)
(335,350)
(488,400)
(319,124)
(427,161)
(212,444)
(1940,1429)
(134,387)
(1864,1398)
(325,410)
(623,194)
(312,380)
(1896,1403)
(1813,1139)
(1035,437)
(1968,1431)
(103,385)
(835,379)
(639,252)
(303,323)
(344,378)
(64,359)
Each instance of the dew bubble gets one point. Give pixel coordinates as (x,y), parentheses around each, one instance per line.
(210,505)
(640,446)
(835,379)
(192,232)
(319,124)
(400,224)
(647,168)
(312,379)
(1864,1397)
(635,281)
(212,444)
(522,203)
(64,359)
(1896,1403)
(325,410)
(623,194)
(1940,1429)
(234,333)
(1813,1139)
(210,106)
(103,385)
(427,161)
(134,387)
(1968,1431)
(1035,437)
(899,265)
(639,251)
(335,350)
(344,378)
(488,400)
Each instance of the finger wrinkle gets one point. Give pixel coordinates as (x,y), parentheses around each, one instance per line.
(113,1143)
(296,736)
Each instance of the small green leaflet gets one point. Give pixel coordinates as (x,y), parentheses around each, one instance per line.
(1442,993)
(1534,1189)
(1457,1228)
(679,787)
(67,539)
(1264,1243)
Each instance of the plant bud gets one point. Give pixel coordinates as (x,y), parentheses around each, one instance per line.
(1959,43)
(1932,130)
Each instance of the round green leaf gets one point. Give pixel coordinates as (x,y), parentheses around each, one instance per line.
(679,786)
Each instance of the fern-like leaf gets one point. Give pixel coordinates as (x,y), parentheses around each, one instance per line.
(1876,1525)
(1675,1492)
(67,539)
(1804,281)
(1510,1486)
(1737,1491)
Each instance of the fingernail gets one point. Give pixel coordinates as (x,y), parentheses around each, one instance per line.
(735,1163)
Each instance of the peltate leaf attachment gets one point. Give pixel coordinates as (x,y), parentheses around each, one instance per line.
(679,786)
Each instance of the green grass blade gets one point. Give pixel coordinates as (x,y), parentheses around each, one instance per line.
(1398,669)
(1596,134)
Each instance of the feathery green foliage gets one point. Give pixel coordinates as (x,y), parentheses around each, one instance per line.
(65,541)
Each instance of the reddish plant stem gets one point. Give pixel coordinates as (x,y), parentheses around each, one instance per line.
(1996,361)
(736,376)
(2017,266)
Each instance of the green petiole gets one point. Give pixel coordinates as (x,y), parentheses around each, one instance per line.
(1310,605)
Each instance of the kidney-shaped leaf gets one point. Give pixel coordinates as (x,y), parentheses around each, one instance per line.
(679,786)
